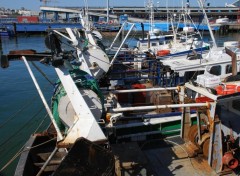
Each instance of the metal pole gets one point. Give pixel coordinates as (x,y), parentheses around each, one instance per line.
(60,137)
(234,60)
(121,45)
(209,27)
(46,163)
(107,11)
(140,108)
(119,32)
(144,90)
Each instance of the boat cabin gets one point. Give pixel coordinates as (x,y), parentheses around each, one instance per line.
(151,42)
(216,62)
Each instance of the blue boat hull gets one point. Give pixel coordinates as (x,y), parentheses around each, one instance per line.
(41,27)
(164,26)
(8,33)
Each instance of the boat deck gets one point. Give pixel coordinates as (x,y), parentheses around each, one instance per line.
(158,158)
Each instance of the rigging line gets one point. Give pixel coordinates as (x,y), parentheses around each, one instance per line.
(196,27)
(20,110)
(9,138)
(17,143)
(45,117)
(42,73)
(12,159)
(16,113)
(193,40)
(131,38)
(21,151)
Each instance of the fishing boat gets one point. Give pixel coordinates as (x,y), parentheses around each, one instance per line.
(222,21)
(99,127)
(183,68)
(104,24)
(170,45)
(121,131)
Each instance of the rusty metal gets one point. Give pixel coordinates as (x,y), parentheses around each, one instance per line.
(205,147)
(185,123)
(229,160)
(192,134)
(216,146)
(234,60)
(31,55)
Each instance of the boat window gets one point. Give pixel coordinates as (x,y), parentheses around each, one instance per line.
(229,69)
(235,105)
(161,42)
(154,44)
(216,70)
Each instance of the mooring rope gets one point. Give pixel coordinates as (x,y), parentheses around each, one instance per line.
(42,73)
(21,151)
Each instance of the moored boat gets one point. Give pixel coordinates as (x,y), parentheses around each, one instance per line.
(6,32)
(134,120)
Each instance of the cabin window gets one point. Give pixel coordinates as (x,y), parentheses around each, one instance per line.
(235,105)
(216,70)
(154,44)
(161,42)
(229,69)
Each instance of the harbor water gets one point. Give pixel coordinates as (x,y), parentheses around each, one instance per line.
(21,109)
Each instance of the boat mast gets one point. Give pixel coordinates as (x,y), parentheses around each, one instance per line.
(206,18)
(86,23)
(167,16)
(107,11)
(151,18)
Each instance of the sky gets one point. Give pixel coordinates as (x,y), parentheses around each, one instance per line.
(35,4)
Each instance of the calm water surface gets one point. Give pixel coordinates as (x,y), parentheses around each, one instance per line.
(21,110)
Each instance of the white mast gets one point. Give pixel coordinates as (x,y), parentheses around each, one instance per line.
(206,18)
(167,16)
(151,18)
(107,11)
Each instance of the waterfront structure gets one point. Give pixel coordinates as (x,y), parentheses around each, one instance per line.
(50,16)
(161,12)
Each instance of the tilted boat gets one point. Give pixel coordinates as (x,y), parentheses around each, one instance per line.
(135,139)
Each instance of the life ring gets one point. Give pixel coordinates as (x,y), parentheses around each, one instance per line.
(227,89)
(163,52)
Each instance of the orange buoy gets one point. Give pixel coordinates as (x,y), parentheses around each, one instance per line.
(163,52)
(219,89)
(231,86)
(227,89)
(238,88)
(230,89)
